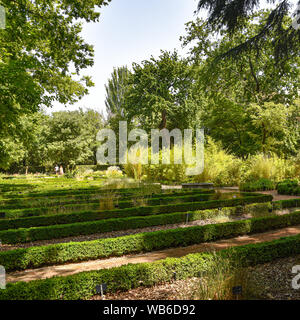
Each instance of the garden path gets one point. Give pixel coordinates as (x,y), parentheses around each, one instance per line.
(73,268)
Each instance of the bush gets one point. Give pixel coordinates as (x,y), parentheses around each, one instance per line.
(267,167)
(220,168)
(23,235)
(262,184)
(108,201)
(289,187)
(114,172)
(34,257)
(282,204)
(65,218)
(168,173)
(83,285)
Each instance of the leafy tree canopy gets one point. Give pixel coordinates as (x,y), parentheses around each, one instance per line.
(232,15)
(162,94)
(41,52)
(233,87)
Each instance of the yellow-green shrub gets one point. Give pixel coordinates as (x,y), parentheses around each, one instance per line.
(220,167)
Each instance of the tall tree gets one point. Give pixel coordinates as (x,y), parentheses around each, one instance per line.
(116,89)
(71,137)
(41,50)
(233,14)
(232,87)
(162,93)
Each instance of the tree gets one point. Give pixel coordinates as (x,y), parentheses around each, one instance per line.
(233,14)
(272,123)
(116,89)
(67,138)
(232,86)
(41,50)
(161,93)
(71,137)
(27,147)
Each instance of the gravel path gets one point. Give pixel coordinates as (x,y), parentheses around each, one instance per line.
(114,234)
(270,281)
(274,193)
(69,269)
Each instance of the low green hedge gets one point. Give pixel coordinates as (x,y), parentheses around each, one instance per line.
(157,199)
(282,204)
(83,285)
(288,187)
(66,218)
(23,235)
(34,257)
(70,192)
(36,203)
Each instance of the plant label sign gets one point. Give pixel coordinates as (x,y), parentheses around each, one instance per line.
(100,289)
(237,290)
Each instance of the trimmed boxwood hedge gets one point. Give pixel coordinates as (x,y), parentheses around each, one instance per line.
(157,199)
(34,257)
(23,235)
(282,204)
(24,203)
(83,285)
(67,192)
(288,187)
(66,218)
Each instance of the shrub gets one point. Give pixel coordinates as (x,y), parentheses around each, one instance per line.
(34,257)
(262,184)
(267,167)
(282,204)
(220,168)
(108,225)
(289,187)
(65,218)
(113,172)
(83,285)
(168,173)
(108,201)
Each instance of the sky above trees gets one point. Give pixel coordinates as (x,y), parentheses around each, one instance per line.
(131,31)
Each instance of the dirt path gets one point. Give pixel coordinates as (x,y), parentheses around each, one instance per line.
(69,269)
(277,196)
(274,193)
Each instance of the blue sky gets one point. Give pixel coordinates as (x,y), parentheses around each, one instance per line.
(131,31)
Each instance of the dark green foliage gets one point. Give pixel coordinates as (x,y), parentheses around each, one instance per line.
(34,257)
(129,212)
(23,235)
(128,202)
(289,187)
(233,14)
(281,204)
(83,285)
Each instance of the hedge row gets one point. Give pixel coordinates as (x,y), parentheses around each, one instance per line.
(289,187)
(66,218)
(24,203)
(64,192)
(95,205)
(23,235)
(282,204)
(34,257)
(83,285)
